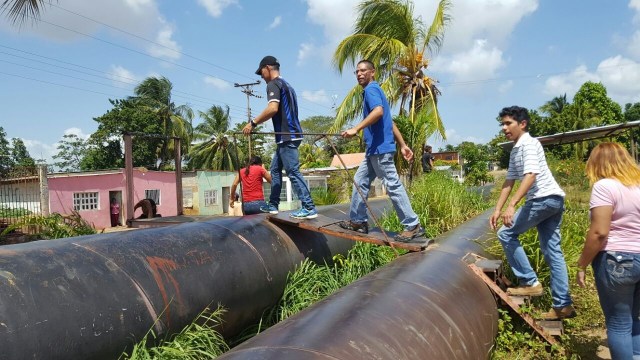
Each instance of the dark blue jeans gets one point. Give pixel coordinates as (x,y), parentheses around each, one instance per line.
(252,207)
(286,157)
(617,276)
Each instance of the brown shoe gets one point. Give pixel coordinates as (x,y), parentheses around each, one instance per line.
(566,312)
(362,227)
(527,290)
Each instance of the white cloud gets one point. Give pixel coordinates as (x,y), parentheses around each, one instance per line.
(635,5)
(454,138)
(166,47)
(633,46)
(120,76)
(493,20)
(335,16)
(139,17)
(215,7)
(318,96)
(77,132)
(216,83)
(306,51)
(40,151)
(480,62)
(619,75)
(275,23)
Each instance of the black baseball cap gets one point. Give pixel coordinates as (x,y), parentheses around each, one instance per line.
(267,60)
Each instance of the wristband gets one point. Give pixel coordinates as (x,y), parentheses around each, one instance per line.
(253,124)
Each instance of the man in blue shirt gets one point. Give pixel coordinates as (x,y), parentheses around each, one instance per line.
(282,108)
(380,136)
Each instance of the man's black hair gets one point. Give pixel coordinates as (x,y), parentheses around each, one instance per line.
(517,113)
(369,63)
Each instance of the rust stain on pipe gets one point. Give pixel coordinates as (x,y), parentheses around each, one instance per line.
(161,269)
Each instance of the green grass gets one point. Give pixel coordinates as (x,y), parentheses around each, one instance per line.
(199,340)
(54,226)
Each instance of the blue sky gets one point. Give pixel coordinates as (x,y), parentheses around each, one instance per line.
(57,74)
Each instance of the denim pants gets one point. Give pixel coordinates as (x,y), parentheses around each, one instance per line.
(286,157)
(617,276)
(252,207)
(546,215)
(383,167)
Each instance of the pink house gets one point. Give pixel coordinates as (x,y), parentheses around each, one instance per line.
(90,193)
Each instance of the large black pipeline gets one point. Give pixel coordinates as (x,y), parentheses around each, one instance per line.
(426,305)
(92,297)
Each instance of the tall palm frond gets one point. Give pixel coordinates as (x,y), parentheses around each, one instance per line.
(18,11)
(216,151)
(176,120)
(387,34)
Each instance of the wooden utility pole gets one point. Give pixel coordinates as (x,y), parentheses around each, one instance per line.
(248,90)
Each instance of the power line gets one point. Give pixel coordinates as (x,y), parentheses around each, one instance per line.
(150,41)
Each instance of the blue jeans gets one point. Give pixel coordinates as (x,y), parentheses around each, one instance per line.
(546,215)
(383,167)
(286,157)
(252,207)
(617,276)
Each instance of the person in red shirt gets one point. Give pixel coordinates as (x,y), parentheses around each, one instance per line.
(252,194)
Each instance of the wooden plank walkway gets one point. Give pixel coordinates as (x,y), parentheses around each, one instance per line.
(326,225)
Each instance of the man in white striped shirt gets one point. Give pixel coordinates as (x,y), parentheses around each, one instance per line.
(543,209)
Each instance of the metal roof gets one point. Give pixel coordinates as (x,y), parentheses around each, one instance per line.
(574,136)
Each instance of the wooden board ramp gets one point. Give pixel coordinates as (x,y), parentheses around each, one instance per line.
(546,329)
(326,225)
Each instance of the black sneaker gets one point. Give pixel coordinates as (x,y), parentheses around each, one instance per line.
(362,228)
(409,234)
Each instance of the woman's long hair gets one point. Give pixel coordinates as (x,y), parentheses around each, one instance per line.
(255,160)
(612,161)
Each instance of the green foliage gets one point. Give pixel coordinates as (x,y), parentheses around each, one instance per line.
(199,340)
(125,117)
(54,226)
(20,155)
(7,212)
(261,145)
(312,156)
(475,163)
(441,204)
(324,197)
(153,94)
(216,149)
(6,161)
(595,95)
(71,150)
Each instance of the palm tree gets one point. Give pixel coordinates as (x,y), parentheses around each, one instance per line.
(155,94)
(20,10)
(555,106)
(387,34)
(582,115)
(215,151)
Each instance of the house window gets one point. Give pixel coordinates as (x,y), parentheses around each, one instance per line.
(210,197)
(153,194)
(187,197)
(85,201)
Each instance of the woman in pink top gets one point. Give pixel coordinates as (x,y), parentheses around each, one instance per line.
(612,245)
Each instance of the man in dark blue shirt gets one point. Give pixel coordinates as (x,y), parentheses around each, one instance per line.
(380,136)
(282,108)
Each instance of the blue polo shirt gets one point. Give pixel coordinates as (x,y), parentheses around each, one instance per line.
(378,136)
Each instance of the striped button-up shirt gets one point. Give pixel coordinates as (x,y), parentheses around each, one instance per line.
(527,156)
